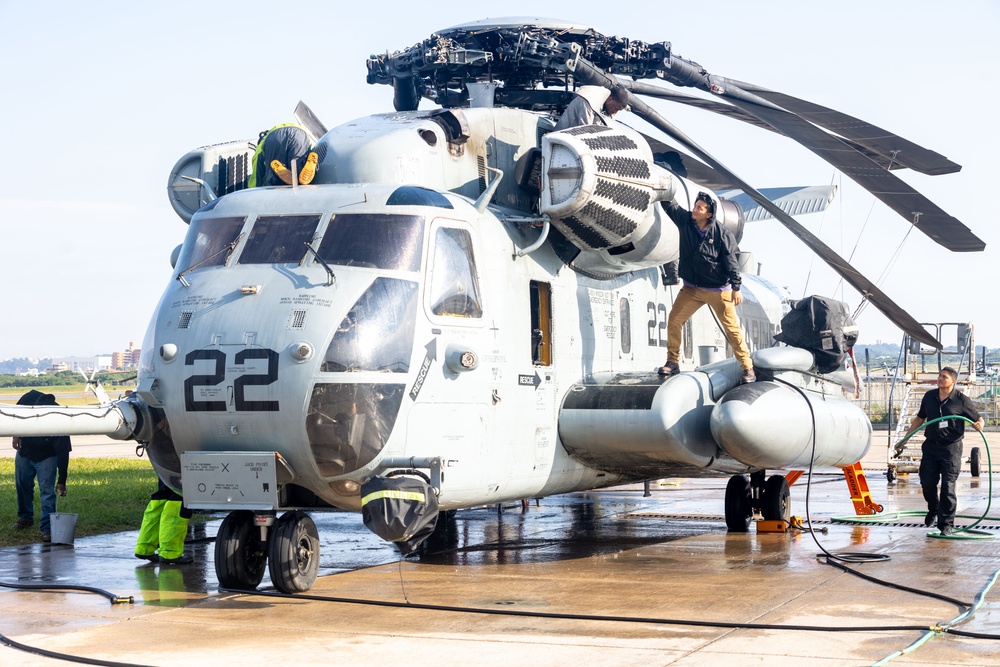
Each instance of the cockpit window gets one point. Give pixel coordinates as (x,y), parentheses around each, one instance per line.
(454,288)
(377,333)
(279,239)
(375,241)
(209,242)
(349,424)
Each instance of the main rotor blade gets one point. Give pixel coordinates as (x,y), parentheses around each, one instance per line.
(728,110)
(928,217)
(586,71)
(892,148)
(892,161)
(686,165)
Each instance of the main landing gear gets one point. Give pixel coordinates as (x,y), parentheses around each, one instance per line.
(757,493)
(288,546)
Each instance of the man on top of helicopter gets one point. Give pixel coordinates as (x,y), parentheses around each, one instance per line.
(583,109)
(277,148)
(709,267)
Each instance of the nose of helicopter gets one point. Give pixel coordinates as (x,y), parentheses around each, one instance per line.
(349,424)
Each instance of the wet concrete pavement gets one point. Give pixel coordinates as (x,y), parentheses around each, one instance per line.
(609,554)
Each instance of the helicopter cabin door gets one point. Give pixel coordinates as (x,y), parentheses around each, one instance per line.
(453,414)
(544,375)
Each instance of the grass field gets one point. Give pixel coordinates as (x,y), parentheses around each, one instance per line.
(68,395)
(109,495)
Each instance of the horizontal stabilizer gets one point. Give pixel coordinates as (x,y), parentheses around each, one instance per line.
(793,201)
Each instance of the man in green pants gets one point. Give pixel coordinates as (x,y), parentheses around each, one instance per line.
(164,528)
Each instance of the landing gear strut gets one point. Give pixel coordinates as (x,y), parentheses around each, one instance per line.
(746,495)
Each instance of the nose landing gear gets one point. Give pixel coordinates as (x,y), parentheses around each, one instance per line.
(289,548)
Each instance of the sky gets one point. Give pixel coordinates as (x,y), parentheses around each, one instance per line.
(100,99)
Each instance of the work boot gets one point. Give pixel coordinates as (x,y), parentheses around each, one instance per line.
(308,171)
(946,530)
(183,559)
(748,376)
(668,369)
(46,537)
(21,524)
(153,558)
(930,519)
(281,171)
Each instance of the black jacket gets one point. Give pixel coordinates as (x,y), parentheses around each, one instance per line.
(948,431)
(712,261)
(39,448)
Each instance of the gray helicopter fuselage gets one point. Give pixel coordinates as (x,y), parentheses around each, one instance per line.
(421,341)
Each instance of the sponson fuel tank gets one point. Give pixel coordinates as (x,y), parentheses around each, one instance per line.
(637,421)
(705,420)
(771,424)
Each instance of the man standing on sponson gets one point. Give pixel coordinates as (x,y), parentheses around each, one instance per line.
(709,267)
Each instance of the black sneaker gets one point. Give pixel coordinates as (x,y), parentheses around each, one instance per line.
(153,558)
(668,369)
(183,559)
(946,530)
(748,376)
(930,519)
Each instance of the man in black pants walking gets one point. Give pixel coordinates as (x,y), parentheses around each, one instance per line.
(941,452)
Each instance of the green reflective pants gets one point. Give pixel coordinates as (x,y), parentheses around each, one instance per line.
(162,528)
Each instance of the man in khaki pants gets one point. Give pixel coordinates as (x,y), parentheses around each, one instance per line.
(709,267)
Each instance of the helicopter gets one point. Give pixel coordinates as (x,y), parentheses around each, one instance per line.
(466,307)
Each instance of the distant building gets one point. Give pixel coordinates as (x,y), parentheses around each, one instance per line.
(81,364)
(127,359)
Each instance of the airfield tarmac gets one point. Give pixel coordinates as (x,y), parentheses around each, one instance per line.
(601,578)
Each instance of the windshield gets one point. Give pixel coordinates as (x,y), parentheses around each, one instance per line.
(377,334)
(375,241)
(279,239)
(209,242)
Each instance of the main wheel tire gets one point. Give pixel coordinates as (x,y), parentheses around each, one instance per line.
(776,504)
(294,552)
(738,506)
(974,461)
(240,558)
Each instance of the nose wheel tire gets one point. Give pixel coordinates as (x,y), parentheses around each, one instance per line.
(294,552)
(240,557)
(739,506)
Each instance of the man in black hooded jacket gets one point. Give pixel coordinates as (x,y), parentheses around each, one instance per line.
(709,267)
(42,457)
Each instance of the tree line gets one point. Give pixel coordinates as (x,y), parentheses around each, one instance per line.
(61,378)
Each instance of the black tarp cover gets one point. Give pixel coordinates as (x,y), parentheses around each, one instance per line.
(402,510)
(822,326)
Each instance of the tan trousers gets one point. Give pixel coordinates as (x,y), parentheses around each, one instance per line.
(688,301)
